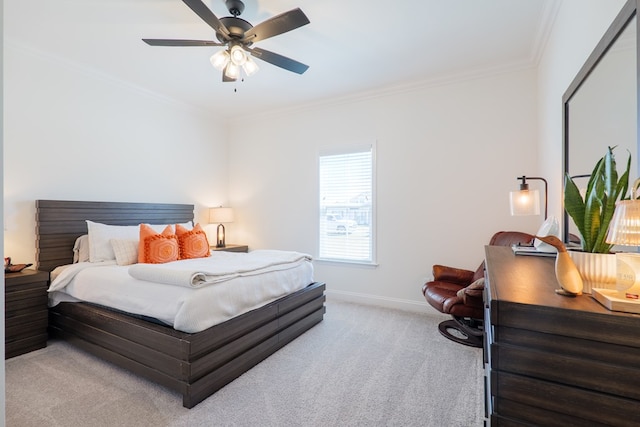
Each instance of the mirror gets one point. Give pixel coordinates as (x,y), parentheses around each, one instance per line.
(601,106)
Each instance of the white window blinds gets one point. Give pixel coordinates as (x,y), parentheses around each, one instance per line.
(346,206)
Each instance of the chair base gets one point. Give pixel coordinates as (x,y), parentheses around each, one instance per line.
(463,331)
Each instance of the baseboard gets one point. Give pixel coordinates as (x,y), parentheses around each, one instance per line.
(395,303)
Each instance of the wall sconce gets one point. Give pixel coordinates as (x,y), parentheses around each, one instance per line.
(218,216)
(525,201)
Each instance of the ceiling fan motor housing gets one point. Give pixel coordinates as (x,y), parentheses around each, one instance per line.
(236,26)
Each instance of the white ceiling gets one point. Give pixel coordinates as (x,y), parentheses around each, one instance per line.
(351,46)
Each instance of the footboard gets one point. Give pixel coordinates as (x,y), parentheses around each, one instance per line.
(196,365)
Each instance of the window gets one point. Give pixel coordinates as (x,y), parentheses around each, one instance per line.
(346,222)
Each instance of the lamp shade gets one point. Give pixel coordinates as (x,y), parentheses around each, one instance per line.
(220,59)
(220,215)
(232,71)
(625,224)
(525,202)
(250,67)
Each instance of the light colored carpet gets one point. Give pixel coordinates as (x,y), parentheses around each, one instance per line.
(362,366)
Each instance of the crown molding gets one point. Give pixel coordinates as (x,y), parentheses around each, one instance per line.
(545,27)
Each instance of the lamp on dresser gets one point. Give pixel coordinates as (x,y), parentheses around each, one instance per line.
(525,201)
(219,216)
(624,230)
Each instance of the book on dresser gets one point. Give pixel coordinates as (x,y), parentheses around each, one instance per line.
(531,250)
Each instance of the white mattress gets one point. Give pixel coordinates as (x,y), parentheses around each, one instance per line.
(186,309)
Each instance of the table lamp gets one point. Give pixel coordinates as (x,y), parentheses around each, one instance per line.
(219,216)
(624,230)
(525,201)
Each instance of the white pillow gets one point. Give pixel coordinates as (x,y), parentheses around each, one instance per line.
(81,249)
(100,248)
(125,250)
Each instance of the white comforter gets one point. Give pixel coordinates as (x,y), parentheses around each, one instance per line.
(186,308)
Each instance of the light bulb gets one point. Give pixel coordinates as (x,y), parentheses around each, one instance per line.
(238,55)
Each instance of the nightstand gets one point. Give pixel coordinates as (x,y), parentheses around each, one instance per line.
(25,311)
(232,248)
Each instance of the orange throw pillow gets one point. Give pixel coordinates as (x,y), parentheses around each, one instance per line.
(157,248)
(192,243)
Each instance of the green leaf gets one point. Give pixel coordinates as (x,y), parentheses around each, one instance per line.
(573,203)
(592,215)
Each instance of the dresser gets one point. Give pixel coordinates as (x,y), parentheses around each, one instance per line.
(25,311)
(552,360)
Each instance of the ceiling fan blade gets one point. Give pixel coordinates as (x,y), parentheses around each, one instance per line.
(278,60)
(277,25)
(169,42)
(207,16)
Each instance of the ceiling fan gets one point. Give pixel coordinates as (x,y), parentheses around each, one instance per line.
(238,35)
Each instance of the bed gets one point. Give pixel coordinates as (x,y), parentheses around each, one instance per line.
(194,364)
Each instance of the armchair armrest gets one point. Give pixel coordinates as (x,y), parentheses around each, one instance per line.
(461,276)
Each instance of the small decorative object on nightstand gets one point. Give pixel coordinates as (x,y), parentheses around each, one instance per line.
(231,248)
(25,296)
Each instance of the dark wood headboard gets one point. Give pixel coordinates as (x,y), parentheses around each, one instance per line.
(59,223)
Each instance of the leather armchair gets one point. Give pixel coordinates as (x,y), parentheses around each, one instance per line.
(459,292)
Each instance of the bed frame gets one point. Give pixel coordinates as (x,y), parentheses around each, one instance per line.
(196,365)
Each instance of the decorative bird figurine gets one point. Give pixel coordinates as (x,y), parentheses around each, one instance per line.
(566,272)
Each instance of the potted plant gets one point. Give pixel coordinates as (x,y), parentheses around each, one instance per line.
(592,215)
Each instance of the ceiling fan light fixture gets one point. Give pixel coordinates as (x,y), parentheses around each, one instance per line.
(238,55)
(220,59)
(235,35)
(250,67)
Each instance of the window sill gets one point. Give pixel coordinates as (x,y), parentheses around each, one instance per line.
(355,263)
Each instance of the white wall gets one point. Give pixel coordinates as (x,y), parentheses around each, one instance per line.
(73,134)
(447,156)
(579,26)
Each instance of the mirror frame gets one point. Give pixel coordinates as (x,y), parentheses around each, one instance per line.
(626,14)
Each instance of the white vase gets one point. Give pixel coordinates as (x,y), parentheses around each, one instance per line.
(597,270)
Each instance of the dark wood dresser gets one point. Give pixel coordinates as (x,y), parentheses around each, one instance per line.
(25,311)
(552,360)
